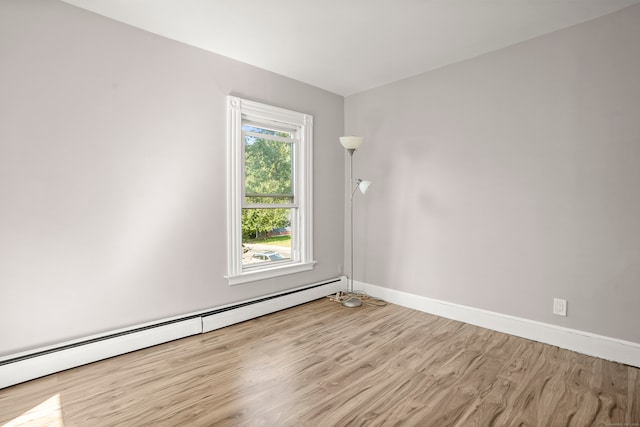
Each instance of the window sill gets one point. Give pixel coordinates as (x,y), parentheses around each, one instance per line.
(267,273)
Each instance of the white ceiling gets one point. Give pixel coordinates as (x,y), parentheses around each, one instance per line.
(348,46)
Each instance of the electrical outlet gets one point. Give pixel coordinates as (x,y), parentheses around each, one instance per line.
(560,307)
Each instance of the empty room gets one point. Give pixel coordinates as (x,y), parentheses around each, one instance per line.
(338,213)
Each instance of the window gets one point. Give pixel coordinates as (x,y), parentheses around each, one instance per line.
(269,230)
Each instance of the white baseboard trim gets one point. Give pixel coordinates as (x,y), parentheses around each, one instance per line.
(608,348)
(18,368)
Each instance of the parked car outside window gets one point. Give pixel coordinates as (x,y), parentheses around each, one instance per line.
(267,256)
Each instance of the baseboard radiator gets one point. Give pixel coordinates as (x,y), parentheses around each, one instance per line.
(18,368)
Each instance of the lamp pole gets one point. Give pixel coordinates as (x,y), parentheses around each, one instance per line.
(352,301)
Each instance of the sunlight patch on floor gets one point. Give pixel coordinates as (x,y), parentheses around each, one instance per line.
(48,413)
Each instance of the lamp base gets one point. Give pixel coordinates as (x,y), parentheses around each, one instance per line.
(352,302)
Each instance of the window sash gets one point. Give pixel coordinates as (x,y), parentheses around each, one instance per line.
(269,137)
(269,206)
(294,254)
(274,195)
(292,141)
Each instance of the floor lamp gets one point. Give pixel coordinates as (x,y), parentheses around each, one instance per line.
(351,144)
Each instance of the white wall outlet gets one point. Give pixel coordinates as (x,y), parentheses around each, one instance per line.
(560,307)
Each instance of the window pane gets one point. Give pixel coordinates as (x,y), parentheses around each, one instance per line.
(268,168)
(266,236)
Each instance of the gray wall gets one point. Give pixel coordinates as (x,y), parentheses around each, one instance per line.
(512,178)
(112,175)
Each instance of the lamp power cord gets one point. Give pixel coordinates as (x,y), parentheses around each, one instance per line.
(341,296)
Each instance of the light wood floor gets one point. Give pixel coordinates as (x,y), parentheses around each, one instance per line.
(323,365)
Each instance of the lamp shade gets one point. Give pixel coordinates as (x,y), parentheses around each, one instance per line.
(363,185)
(351,142)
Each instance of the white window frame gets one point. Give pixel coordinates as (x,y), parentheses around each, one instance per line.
(239,110)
